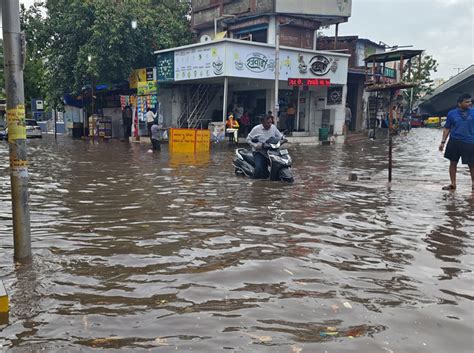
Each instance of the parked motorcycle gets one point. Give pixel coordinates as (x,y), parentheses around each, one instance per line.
(279,166)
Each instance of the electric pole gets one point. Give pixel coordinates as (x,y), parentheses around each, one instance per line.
(13,48)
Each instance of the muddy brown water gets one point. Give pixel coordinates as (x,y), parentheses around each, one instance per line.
(153,252)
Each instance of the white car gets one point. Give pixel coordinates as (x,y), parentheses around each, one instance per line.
(32,130)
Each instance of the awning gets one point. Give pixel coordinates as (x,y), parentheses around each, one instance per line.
(393,56)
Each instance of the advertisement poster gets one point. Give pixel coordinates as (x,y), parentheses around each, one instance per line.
(16,123)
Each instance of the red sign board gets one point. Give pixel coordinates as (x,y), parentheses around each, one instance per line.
(306,82)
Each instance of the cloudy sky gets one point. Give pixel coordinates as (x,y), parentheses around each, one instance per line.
(444,28)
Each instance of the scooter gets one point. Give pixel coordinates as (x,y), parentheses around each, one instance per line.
(280,161)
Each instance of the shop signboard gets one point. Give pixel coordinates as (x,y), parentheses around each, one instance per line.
(141,75)
(250,61)
(199,62)
(342,8)
(138,75)
(150,74)
(147,88)
(334,96)
(310,82)
(165,67)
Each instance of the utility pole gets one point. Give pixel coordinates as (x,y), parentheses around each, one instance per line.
(13,56)
(277,69)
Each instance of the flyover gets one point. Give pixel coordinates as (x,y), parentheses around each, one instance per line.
(444,97)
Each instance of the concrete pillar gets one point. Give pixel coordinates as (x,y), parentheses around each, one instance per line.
(339,117)
(271,33)
(270,98)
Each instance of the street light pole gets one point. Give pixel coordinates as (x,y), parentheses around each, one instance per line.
(12,47)
(92,133)
(277,69)
(277,64)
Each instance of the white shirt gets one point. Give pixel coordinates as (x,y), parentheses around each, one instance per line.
(150,116)
(262,135)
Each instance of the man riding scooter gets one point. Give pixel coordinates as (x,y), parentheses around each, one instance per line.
(256,138)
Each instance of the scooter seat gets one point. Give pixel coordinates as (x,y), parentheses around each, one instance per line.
(247,155)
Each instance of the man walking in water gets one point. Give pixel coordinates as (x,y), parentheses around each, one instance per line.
(460,129)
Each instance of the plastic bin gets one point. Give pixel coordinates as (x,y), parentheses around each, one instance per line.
(77,130)
(323,133)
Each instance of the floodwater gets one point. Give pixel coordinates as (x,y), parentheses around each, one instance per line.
(139,252)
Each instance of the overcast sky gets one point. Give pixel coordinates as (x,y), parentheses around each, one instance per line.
(444,28)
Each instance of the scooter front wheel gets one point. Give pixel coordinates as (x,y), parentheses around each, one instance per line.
(286,175)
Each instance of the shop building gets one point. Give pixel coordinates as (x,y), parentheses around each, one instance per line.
(234,64)
(357,96)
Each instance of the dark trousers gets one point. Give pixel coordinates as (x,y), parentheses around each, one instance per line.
(261,166)
(244,130)
(127,131)
(149,125)
(290,123)
(155,145)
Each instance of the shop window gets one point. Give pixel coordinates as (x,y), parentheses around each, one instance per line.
(253,34)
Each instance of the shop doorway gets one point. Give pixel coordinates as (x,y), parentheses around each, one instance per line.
(253,102)
(352,93)
(289,108)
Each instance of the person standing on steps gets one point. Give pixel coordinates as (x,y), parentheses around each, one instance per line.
(150,119)
(460,129)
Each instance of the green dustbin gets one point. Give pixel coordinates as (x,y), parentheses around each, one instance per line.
(323,133)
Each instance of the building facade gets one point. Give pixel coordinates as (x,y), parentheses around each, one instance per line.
(258,56)
(357,97)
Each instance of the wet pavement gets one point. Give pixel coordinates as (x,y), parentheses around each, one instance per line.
(151,252)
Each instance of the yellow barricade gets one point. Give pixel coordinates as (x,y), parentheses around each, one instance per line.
(3,299)
(189,140)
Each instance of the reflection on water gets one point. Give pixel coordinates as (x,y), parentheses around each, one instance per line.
(146,251)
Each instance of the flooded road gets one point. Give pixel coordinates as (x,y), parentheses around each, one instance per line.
(152,252)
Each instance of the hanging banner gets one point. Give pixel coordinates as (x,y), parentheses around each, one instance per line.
(16,123)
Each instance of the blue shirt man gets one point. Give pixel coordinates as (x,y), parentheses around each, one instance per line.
(460,129)
(461,124)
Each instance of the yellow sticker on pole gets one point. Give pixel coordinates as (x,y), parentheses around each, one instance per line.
(16,123)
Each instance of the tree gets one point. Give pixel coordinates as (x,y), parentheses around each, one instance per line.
(2,72)
(31,21)
(421,73)
(73,30)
